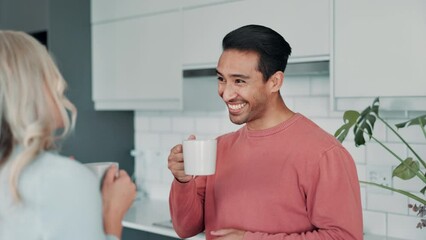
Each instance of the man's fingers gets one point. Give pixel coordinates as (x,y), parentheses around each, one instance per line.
(177,149)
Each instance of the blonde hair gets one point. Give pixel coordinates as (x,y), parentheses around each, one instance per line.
(29,83)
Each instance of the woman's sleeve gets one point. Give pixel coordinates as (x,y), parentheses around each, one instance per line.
(71,203)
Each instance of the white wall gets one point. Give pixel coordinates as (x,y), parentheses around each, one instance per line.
(384,212)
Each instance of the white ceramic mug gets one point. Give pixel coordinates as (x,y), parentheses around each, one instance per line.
(100,168)
(199,156)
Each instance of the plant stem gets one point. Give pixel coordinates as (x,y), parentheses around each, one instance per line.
(418,173)
(422,127)
(410,195)
(399,136)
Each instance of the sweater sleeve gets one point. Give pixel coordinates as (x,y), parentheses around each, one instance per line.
(333,201)
(71,203)
(187,206)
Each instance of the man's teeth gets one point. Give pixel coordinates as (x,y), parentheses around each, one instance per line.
(236,106)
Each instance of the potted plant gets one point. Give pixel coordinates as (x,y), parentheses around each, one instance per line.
(408,168)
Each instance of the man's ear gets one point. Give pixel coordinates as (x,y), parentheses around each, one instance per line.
(276,81)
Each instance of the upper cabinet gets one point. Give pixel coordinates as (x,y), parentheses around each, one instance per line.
(110,10)
(136,63)
(303,23)
(379,50)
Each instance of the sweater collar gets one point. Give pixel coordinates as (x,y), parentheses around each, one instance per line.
(270,131)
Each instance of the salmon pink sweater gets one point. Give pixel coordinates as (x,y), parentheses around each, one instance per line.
(292,181)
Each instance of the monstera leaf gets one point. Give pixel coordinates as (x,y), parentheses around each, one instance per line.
(415,121)
(365,123)
(407,169)
(349,117)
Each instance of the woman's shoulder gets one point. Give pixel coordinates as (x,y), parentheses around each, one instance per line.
(51,162)
(66,195)
(56,170)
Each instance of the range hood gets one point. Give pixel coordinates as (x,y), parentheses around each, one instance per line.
(293,69)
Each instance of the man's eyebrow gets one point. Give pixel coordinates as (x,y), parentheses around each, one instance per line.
(235,75)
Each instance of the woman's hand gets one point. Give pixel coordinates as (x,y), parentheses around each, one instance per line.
(118,193)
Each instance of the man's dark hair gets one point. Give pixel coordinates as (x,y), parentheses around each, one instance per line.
(273,50)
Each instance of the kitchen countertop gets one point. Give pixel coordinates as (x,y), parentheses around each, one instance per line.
(145,213)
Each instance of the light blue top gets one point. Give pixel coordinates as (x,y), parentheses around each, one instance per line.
(60,200)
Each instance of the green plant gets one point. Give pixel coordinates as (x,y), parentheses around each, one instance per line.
(363,125)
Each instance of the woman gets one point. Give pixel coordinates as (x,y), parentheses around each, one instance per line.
(44,195)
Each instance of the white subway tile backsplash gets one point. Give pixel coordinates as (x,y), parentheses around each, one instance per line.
(380,131)
(378,155)
(411,134)
(330,125)
(357,153)
(404,227)
(363,198)
(420,149)
(154,175)
(320,85)
(205,125)
(147,140)
(361,170)
(167,176)
(411,185)
(374,222)
(289,102)
(312,107)
(157,190)
(161,124)
(152,165)
(141,123)
(183,124)
(296,86)
(227,126)
(392,203)
(170,140)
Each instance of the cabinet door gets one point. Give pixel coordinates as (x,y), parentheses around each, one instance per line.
(107,10)
(303,23)
(137,63)
(379,49)
(198,3)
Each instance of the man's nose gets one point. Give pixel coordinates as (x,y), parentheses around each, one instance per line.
(227,92)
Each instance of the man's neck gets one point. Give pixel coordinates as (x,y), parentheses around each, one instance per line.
(278,114)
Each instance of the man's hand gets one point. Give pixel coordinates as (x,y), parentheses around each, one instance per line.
(228,234)
(175,163)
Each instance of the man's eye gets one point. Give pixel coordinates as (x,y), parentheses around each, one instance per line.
(239,81)
(220,78)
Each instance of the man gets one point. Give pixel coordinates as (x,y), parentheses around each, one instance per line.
(279,176)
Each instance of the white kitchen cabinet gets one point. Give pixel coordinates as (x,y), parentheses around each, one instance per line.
(379,50)
(197,3)
(109,10)
(303,23)
(136,63)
